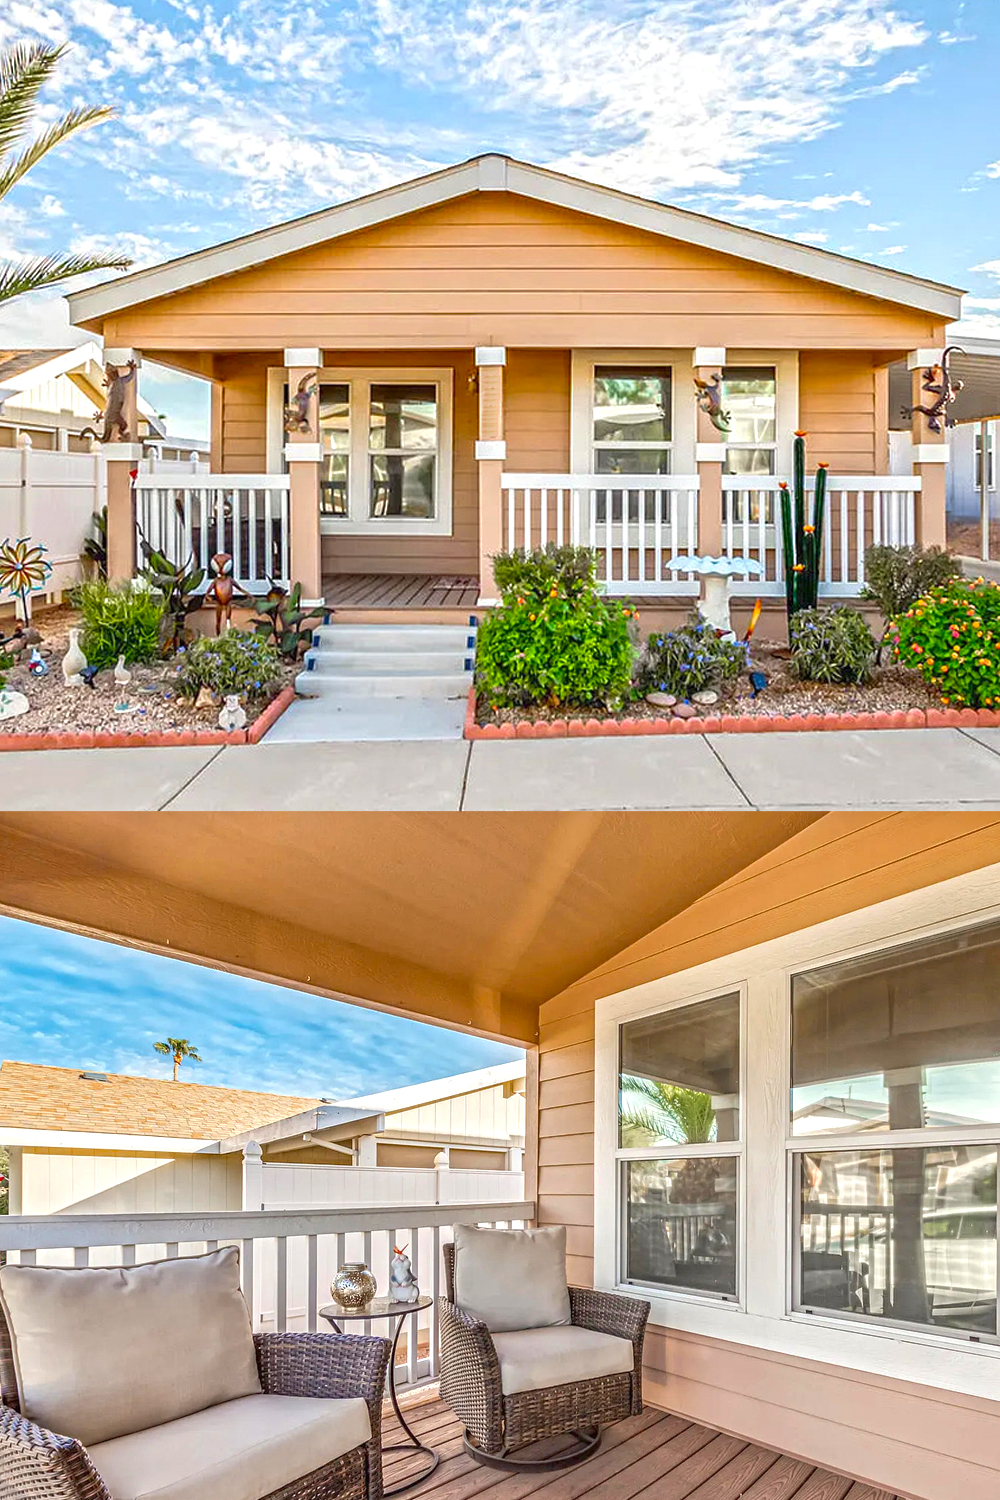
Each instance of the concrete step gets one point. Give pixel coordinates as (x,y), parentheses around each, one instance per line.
(427,663)
(394,637)
(356,684)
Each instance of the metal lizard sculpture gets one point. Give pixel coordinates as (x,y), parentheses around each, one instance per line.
(938,382)
(297,412)
(710,401)
(115,421)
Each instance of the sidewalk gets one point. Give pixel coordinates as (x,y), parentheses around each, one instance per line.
(930,768)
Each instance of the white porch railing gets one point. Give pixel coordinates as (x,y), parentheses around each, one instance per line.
(288,1257)
(861,511)
(636,522)
(199,515)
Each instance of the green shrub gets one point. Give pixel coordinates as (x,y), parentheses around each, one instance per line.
(831,645)
(119,620)
(896,577)
(553,638)
(952,637)
(237,662)
(689,660)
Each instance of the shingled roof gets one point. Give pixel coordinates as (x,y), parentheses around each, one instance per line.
(37,1098)
(20,361)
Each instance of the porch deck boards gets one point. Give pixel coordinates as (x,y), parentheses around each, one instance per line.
(400,591)
(655,1456)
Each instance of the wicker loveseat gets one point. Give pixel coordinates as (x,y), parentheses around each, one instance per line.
(234,1448)
(572,1376)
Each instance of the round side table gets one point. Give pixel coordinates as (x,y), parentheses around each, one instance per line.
(384,1307)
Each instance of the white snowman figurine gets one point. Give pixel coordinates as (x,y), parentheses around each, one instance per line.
(403,1283)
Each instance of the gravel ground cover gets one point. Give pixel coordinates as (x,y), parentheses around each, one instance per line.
(154,702)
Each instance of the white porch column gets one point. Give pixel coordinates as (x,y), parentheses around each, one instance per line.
(304,453)
(491,453)
(710,453)
(123,457)
(367,1151)
(253,1178)
(930,451)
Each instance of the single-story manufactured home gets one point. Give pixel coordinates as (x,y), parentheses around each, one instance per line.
(497,354)
(763,1078)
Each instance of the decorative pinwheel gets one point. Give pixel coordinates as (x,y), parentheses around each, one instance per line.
(23,568)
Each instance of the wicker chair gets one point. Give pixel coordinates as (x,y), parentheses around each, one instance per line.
(497,1425)
(39,1465)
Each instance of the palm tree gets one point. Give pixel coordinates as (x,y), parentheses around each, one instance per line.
(180,1049)
(24,70)
(653,1111)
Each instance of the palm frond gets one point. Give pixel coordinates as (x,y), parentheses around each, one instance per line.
(70,124)
(18,278)
(666,1111)
(24,70)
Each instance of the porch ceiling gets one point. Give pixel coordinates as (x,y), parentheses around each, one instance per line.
(470,921)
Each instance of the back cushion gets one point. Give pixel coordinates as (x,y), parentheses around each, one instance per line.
(512,1278)
(101,1353)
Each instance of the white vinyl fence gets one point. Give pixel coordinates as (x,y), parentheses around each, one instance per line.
(51,497)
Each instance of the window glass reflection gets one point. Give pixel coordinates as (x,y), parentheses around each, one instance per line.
(681,1223)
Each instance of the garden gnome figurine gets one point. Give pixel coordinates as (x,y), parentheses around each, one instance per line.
(402,1282)
(232,714)
(74,661)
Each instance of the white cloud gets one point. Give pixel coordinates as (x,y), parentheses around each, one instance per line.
(811,237)
(894,250)
(881,228)
(51,207)
(990,267)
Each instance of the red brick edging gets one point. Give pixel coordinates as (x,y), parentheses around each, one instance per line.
(912,718)
(106,739)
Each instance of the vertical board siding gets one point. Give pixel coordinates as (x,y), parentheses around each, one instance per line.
(932,1444)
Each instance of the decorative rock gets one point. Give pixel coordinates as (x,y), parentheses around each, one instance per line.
(707,697)
(660,700)
(205,698)
(685,711)
(13,705)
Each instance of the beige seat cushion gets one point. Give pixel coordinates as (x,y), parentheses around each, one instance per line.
(533,1359)
(240,1450)
(512,1278)
(99,1353)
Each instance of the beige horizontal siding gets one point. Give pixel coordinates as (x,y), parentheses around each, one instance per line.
(492,268)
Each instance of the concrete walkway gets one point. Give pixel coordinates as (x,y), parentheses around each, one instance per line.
(929,768)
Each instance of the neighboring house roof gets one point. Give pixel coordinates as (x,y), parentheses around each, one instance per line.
(494,173)
(39,1098)
(21,370)
(413,1095)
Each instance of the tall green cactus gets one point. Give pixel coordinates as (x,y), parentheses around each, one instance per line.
(802,540)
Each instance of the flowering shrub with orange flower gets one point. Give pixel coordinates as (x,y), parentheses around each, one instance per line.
(952,637)
(554,639)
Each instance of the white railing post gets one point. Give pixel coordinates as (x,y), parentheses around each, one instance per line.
(253,1177)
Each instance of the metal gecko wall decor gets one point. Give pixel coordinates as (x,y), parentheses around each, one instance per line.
(710,401)
(116,429)
(298,412)
(938,382)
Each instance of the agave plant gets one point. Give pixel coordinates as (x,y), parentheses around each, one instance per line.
(179,584)
(23,568)
(281,617)
(664,1111)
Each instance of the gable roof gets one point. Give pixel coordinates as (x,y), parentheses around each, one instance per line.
(494,173)
(411,1096)
(20,361)
(22,370)
(39,1098)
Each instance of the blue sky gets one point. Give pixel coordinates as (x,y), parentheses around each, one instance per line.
(73,1002)
(866,126)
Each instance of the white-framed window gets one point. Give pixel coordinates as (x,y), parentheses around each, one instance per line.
(868,1143)
(632,418)
(750,395)
(386,438)
(679,1148)
(895,1078)
(991,443)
